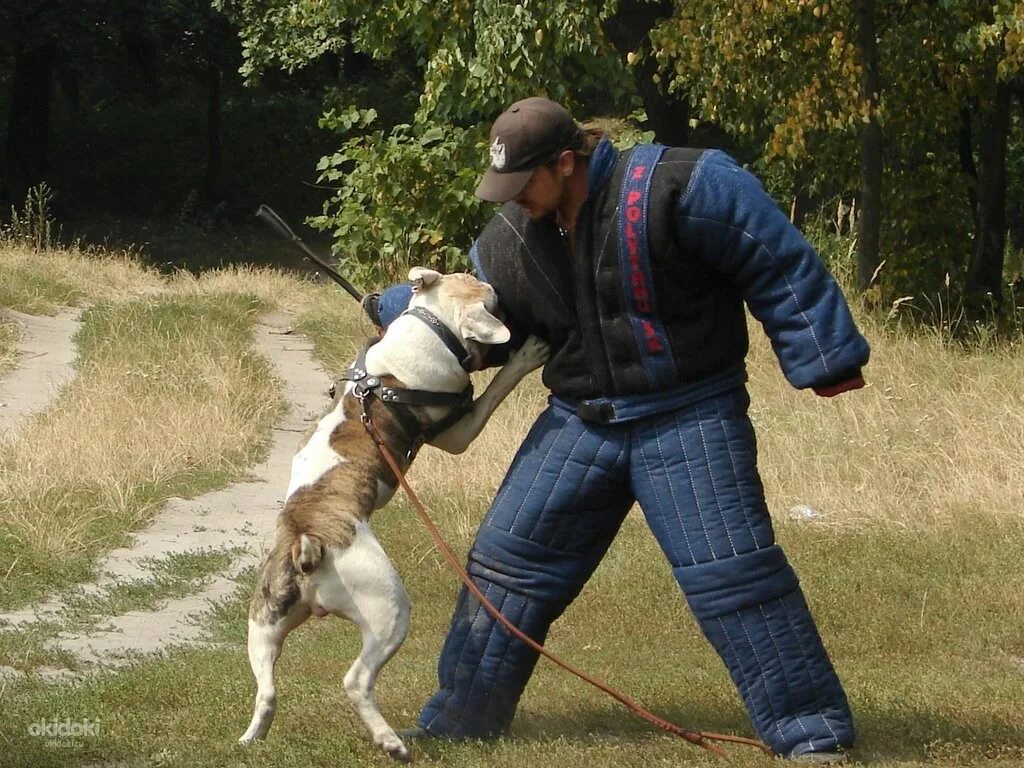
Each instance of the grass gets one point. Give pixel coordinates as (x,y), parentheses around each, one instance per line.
(926,692)
(177,575)
(169,400)
(9,336)
(42,282)
(913,565)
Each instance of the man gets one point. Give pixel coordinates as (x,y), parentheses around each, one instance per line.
(635,269)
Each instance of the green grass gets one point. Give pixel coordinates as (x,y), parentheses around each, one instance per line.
(174,576)
(915,570)
(169,401)
(922,628)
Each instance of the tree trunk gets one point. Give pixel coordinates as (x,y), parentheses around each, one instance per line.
(870,218)
(28,128)
(985,274)
(628,30)
(1015,212)
(800,205)
(211,178)
(965,148)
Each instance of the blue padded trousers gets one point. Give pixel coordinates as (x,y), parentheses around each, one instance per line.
(693,472)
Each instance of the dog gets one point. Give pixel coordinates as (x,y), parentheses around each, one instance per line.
(325,559)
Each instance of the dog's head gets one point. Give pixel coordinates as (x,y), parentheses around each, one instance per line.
(468,305)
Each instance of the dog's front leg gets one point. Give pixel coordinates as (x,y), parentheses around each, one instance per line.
(532,355)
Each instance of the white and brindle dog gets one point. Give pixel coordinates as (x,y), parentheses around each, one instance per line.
(325,559)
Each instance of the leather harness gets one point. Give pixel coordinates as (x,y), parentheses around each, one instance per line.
(400,401)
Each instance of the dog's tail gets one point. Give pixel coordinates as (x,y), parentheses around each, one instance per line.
(307,551)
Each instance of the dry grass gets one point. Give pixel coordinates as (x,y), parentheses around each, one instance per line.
(929,441)
(9,335)
(483,465)
(935,437)
(273,288)
(40,283)
(122,430)
(168,399)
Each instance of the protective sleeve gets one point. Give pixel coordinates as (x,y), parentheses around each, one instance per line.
(498,355)
(726,219)
(388,304)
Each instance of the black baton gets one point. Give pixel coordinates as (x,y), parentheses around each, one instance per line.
(267,215)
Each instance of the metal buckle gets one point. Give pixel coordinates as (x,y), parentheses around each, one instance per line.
(595,413)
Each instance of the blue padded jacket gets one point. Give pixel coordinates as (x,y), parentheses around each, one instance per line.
(715,241)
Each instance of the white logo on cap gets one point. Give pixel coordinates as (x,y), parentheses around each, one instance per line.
(498,154)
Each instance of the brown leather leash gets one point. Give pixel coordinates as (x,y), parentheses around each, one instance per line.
(700,738)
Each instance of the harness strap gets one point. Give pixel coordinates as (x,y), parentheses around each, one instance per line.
(367,384)
(635,266)
(400,402)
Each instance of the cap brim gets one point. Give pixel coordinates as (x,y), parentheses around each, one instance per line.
(498,187)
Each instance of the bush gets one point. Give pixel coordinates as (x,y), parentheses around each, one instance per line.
(406,197)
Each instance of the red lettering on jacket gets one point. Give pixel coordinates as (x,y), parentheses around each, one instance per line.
(637,280)
(653,345)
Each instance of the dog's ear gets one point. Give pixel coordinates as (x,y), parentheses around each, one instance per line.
(480,325)
(421,278)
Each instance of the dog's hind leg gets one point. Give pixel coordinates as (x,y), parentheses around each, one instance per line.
(370,593)
(267,630)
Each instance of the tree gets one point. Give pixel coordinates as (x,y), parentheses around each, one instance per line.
(405,191)
(29,121)
(116,40)
(668,115)
(892,79)
(869,223)
(994,58)
(31,35)
(744,64)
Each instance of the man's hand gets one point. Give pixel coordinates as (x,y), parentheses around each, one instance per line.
(831,390)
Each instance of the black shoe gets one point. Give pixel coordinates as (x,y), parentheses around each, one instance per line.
(415,733)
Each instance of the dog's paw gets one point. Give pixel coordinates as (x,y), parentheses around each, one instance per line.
(395,747)
(533,354)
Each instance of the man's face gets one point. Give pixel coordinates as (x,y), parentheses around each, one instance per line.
(543,193)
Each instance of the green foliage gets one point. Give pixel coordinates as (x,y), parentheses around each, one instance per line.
(406,197)
(473,57)
(744,64)
(404,193)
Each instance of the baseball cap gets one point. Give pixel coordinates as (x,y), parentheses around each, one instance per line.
(524,137)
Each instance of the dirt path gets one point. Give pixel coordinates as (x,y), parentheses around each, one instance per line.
(239,517)
(46,364)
